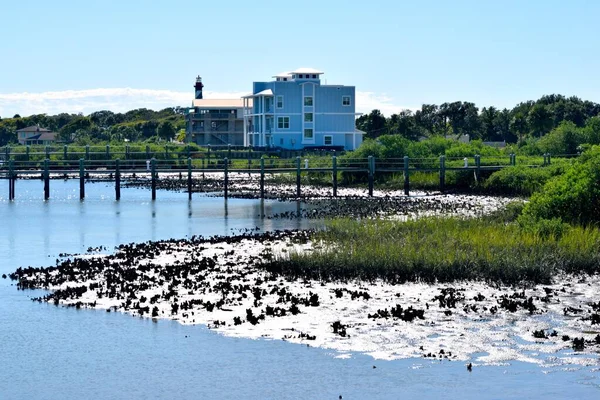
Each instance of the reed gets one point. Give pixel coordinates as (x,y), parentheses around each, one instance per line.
(441,250)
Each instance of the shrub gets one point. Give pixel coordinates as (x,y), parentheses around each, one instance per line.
(572,197)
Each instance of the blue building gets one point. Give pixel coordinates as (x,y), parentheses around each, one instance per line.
(296,111)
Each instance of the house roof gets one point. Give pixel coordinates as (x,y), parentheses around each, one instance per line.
(283,75)
(307,71)
(218,103)
(34,128)
(267,92)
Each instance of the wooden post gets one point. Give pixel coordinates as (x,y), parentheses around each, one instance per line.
(442,173)
(371,174)
(477,167)
(46,178)
(334,175)
(189,177)
(406,177)
(48,152)
(249,160)
(147,152)
(118,179)
(298,176)
(549,161)
(187,148)
(65,151)
(127,152)
(262,177)
(226,173)
(228,151)
(11,180)
(108,152)
(7,153)
(81,179)
(27,150)
(208,157)
(87,151)
(153,177)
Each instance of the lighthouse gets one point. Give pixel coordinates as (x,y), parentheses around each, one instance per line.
(198,86)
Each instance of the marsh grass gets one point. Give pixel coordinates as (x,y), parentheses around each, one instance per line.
(442,250)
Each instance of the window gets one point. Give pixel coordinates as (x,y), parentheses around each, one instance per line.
(308,117)
(294,76)
(308,101)
(308,134)
(279,101)
(285,80)
(314,76)
(328,140)
(345,100)
(301,76)
(283,122)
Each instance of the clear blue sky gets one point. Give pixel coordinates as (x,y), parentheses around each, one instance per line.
(488,52)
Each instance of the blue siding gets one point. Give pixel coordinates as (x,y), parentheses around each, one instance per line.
(330,116)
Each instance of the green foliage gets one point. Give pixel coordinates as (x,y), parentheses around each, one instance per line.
(530,118)
(573,196)
(564,139)
(521,180)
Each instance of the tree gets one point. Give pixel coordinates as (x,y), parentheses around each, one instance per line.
(166,130)
(374,124)
(539,120)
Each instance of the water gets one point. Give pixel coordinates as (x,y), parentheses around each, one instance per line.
(54,352)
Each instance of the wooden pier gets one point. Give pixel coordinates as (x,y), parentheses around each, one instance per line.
(117,170)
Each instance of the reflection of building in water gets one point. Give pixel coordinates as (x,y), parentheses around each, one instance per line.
(214,121)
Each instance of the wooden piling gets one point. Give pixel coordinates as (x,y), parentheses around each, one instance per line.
(81,179)
(298,177)
(189,176)
(226,173)
(117,179)
(334,175)
(87,151)
(11,180)
(153,177)
(46,178)
(27,151)
(406,177)
(442,173)
(65,152)
(371,161)
(107,152)
(477,167)
(262,177)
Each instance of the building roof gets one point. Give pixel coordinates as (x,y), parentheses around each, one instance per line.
(307,71)
(34,128)
(218,103)
(45,136)
(283,75)
(267,92)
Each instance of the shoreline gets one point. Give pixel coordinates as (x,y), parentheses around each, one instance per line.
(215,281)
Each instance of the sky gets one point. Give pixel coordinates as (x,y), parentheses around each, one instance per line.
(84,56)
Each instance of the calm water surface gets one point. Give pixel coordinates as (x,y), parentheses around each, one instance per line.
(49,352)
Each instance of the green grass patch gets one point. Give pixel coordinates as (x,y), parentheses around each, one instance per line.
(443,250)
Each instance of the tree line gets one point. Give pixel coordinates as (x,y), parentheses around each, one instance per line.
(527,120)
(100,126)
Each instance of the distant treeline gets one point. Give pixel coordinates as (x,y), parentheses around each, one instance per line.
(530,119)
(101,126)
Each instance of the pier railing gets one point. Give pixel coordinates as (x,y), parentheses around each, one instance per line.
(185,169)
